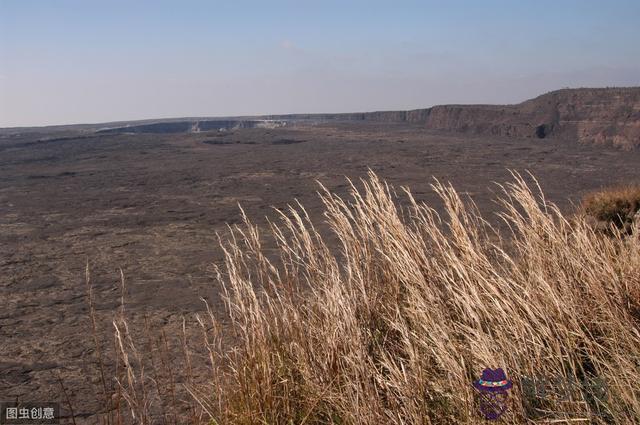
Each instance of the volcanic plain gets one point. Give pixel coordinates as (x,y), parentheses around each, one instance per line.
(151,205)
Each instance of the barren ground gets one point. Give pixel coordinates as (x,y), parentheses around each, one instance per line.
(152,204)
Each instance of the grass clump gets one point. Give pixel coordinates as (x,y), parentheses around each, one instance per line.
(616,206)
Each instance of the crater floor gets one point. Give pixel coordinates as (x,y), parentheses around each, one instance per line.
(151,204)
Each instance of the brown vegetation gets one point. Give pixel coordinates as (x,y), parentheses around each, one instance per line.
(616,206)
(396,326)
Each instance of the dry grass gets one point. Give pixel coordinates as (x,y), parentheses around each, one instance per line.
(394,327)
(615,205)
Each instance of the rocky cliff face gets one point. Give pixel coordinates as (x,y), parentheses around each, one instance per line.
(603,116)
(593,115)
(192,126)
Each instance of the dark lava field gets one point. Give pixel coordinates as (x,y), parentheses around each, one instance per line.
(151,205)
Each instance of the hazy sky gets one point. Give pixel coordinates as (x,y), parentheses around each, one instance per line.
(80,61)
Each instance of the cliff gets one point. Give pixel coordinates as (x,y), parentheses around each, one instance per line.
(603,116)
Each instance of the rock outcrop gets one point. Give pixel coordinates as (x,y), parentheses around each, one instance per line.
(192,126)
(602,116)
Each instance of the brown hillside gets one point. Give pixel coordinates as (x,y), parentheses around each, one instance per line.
(602,116)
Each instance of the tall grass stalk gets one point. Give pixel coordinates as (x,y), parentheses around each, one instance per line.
(395,325)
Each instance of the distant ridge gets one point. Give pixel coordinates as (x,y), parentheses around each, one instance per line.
(588,115)
(608,116)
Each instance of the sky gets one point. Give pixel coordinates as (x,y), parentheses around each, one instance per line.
(86,61)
